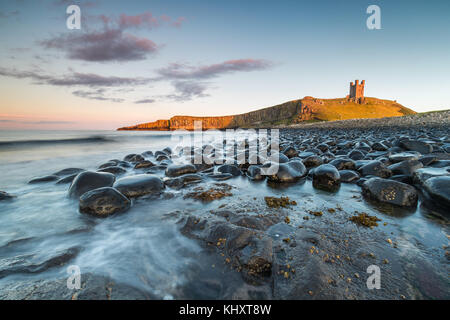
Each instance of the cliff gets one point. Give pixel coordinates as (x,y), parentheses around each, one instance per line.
(308,109)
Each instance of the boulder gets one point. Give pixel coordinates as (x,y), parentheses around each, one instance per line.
(176,170)
(230,168)
(349,176)
(289,172)
(103,202)
(88,180)
(5,196)
(391,192)
(134,158)
(326,177)
(438,190)
(68,172)
(254,173)
(375,168)
(44,179)
(139,185)
(419,146)
(406,167)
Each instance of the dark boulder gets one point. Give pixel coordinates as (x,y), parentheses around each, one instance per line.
(144,164)
(176,170)
(391,192)
(290,152)
(44,179)
(402,156)
(116,170)
(406,167)
(182,181)
(356,154)
(88,180)
(5,196)
(343,164)
(326,177)
(313,161)
(67,179)
(423,174)
(375,168)
(103,202)
(230,168)
(134,158)
(254,173)
(139,185)
(418,146)
(438,190)
(349,176)
(68,171)
(288,172)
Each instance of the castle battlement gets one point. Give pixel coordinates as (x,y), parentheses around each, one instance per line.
(357,91)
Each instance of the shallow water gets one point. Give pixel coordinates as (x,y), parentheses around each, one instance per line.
(144,247)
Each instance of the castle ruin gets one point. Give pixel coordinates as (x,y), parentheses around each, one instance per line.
(357,91)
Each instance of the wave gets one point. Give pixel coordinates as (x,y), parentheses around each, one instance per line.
(19,143)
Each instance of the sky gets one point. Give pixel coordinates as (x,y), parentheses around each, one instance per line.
(139,61)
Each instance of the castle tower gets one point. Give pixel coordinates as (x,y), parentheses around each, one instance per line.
(357,91)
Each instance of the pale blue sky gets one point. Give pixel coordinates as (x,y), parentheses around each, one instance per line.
(212,58)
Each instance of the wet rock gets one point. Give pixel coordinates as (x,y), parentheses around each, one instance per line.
(139,185)
(88,180)
(406,167)
(440,164)
(438,190)
(326,177)
(378,146)
(162,157)
(402,156)
(5,196)
(289,172)
(304,155)
(103,202)
(356,154)
(349,176)
(312,161)
(230,168)
(182,181)
(167,150)
(254,173)
(421,175)
(67,179)
(221,176)
(68,171)
(391,192)
(419,146)
(147,154)
(343,164)
(114,170)
(290,152)
(176,170)
(282,158)
(218,191)
(375,168)
(134,158)
(43,179)
(144,164)
(427,160)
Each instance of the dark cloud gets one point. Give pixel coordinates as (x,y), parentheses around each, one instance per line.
(183,71)
(74,79)
(102,46)
(98,94)
(145,101)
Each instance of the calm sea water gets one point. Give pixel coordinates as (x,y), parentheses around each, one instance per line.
(144,247)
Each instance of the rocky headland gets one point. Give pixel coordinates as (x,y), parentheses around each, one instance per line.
(306,110)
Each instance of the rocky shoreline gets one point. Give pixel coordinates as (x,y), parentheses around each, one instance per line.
(295,246)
